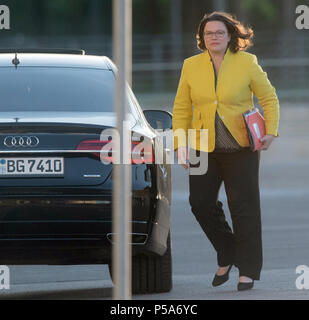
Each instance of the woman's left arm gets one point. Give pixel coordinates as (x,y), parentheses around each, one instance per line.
(266,95)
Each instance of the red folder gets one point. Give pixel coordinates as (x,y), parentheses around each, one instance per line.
(256,130)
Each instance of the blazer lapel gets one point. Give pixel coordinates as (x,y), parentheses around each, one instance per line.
(208,72)
(211,72)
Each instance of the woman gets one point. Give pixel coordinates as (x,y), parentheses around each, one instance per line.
(214,90)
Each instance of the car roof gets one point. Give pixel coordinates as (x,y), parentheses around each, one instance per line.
(56,60)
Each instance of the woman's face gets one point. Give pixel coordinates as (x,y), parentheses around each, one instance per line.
(216,36)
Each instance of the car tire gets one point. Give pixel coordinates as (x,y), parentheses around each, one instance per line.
(151,274)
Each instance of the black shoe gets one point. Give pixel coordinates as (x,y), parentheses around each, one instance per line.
(218,280)
(242,286)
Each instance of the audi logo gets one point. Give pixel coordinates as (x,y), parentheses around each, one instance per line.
(21,141)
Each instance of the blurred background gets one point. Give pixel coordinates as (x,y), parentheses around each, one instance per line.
(163,35)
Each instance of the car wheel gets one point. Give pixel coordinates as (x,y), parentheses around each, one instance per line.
(151,274)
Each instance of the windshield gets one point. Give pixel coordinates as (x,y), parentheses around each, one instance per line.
(56,89)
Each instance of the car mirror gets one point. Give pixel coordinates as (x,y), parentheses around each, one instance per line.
(159,119)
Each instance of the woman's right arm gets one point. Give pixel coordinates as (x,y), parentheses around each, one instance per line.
(182,117)
(182,110)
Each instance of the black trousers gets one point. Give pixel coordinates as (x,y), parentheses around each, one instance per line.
(240,173)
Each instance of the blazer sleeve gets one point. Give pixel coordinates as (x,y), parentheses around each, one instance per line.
(182,110)
(266,94)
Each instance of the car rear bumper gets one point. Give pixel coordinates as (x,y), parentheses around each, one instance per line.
(73,230)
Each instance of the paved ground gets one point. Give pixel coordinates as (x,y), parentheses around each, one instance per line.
(284,177)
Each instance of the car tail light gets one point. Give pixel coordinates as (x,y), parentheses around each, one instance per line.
(141,152)
(93,145)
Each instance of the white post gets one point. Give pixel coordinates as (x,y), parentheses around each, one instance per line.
(122,215)
(129,41)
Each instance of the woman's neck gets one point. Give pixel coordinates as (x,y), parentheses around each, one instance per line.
(217,55)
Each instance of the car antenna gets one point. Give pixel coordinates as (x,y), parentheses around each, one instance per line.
(16,61)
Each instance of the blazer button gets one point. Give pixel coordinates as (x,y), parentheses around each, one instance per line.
(216,102)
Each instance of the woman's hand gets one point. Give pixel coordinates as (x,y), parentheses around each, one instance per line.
(267,140)
(182,155)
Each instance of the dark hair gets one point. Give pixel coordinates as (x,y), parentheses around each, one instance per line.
(241,37)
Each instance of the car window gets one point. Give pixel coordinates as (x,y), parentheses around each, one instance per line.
(56,89)
(135,107)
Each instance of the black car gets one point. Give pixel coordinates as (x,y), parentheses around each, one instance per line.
(55,192)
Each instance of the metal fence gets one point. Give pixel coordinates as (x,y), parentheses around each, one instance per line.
(157,60)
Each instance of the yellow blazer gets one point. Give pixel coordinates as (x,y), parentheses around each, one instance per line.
(240,76)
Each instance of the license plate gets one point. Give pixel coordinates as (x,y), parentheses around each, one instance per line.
(31,166)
